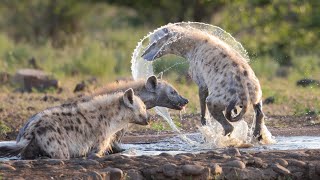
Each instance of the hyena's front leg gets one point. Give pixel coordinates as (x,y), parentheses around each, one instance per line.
(216,110)
(100,148)
(203,94)
(115,146)
(259,120)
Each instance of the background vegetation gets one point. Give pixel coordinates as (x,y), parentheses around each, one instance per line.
(78,39)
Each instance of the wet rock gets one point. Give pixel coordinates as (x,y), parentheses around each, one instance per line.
(282,162)
(269,100)
(258,162)
(134,175)
(294,162)
(235,158)
(149,173)
(115,173)
(94,175)
(299,175)
(313,172)
(232,152)
(6,167)
(192,169)
(181,157)
(169,169)
(280,169)
(188,154)
(236,164)
(166,155)
(317,169)
(215,169)
(79,168)
(308,82)
(32,78)
(221,156)
(84,162)
(55,162)
(112,157)
(22,164)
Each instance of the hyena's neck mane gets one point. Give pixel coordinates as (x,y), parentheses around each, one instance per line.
(196,42)
(109,108)
(120,86)
(102,103)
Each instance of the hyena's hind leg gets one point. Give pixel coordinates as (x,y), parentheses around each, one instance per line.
(203,94)
(50,143)
(31,151)
(56,148)
(216,110)
(259,120)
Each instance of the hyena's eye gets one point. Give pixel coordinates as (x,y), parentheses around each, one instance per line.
(173,92)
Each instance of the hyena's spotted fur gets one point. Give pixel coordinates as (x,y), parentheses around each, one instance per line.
(153,92)
(224,77)
(79,129)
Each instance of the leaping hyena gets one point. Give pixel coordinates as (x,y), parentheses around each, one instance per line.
(79,129)
(224,77)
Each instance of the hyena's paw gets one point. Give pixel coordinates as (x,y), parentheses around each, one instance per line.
(203,121)
(257,134)
(116,148)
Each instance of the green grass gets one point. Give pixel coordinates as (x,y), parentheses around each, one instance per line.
(4,129)
(104,48)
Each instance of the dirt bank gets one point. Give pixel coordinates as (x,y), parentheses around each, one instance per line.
(228,164)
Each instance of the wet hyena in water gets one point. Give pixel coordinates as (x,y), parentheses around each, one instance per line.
(80,129)
(153,92)
(224,77)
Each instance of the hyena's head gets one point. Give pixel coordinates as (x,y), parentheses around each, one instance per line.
(138,111)
(161,93)
(170,39)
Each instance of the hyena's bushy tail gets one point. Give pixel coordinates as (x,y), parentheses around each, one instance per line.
(232,104)
(10,150)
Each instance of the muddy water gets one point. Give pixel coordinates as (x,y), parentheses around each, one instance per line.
(175,145)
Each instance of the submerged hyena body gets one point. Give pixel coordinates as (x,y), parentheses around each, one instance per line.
(79,129)
(224,77)
(153,92)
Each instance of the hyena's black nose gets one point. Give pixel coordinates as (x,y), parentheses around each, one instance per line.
(185,101)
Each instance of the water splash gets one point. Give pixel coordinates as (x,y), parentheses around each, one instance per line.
(213,132)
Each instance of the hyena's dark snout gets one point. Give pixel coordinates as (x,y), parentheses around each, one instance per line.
(144,120)
(184,101)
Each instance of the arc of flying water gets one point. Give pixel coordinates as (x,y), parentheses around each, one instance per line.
(143,69)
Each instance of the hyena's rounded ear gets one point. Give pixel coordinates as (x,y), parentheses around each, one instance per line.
(151,84)
(128,97)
